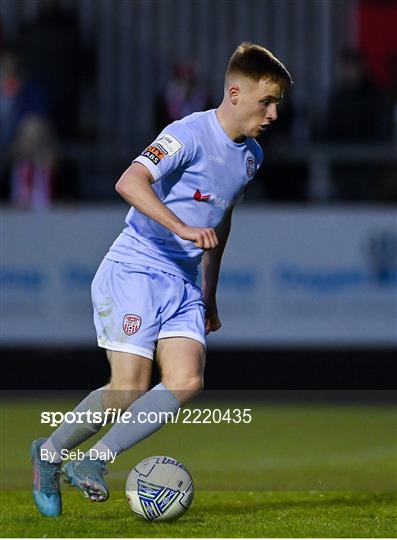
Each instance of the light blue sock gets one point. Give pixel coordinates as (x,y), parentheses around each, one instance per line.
(68,436)
(124,435)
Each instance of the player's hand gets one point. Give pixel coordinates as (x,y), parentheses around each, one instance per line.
(212,322)
(203,237)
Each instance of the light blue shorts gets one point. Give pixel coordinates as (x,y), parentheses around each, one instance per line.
(135,305)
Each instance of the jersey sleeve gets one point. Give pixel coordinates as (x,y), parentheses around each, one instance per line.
(174,148)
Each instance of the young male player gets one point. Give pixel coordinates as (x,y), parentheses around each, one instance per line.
(182,189)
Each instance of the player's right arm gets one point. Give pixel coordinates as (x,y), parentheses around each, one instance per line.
(135,186)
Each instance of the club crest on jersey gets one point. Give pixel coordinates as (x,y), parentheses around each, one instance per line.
(250,164)
(131,324)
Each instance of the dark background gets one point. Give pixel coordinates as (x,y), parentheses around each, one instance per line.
(235,369)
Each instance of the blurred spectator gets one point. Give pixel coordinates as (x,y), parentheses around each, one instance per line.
(184,95)
(19,96)
(35,176)
(358,110)
(52,52)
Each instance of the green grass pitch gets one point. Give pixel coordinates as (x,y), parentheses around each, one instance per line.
(297,470)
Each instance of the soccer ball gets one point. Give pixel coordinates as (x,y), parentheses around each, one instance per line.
(159,488)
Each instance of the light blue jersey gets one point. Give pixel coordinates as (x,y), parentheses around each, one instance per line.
(199,172)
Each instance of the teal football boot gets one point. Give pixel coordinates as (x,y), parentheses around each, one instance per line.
(46,491)
(87,475)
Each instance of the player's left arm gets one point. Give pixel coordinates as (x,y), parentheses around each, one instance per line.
(211,264)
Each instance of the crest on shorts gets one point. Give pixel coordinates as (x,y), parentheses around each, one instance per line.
(250,164)
(131,324)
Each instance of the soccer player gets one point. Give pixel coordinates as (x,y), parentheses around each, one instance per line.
(182,190)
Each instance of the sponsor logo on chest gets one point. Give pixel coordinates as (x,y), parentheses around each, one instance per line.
(211,199)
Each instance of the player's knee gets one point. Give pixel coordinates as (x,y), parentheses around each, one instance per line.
(197,384)
(121,395)
(121,400)
(185,388)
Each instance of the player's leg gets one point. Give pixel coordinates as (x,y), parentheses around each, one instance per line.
(182,363)
(118,290)
(148,413)
(130,379)
(182,345)
(145,416)
(47,454)
(181,354)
